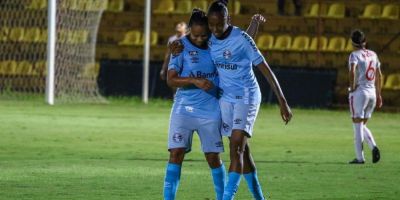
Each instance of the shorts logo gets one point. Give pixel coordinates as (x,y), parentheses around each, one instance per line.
(177,137)
(219,144)
(237,121)
(225,126)
(189,109)
(227,54)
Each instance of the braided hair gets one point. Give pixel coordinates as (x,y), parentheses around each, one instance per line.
(198,17)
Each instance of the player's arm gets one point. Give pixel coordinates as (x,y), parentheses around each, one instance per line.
(164,69)
(378,87)
(256,20)
(286,113)
(352,81)
(174,80)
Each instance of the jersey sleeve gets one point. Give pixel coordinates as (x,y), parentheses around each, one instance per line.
(176,62)
(352,60)
(251,49)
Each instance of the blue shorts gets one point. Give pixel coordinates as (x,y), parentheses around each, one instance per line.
(182,127)
(238,116)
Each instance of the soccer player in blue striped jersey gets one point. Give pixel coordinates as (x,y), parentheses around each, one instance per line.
(234,53)
(196,107)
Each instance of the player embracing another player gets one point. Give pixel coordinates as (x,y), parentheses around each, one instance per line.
(364,94)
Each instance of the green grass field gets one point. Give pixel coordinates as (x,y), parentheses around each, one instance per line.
(118,151)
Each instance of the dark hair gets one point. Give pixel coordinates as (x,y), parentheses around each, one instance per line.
(198,17)
(358,38)
(220,6)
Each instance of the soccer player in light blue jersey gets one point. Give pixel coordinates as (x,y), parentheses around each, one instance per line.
(234,53)
(196,107)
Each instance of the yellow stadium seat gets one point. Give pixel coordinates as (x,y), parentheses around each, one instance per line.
(24,68)
(43,35)
(115,5)
(165,7)
(349,46)
(392,82)
(318,42)
(8,67)
(234,7)
(17,34)
(301,43)
(37,4)
(91,70)
(316,10)
(40,68)
(32,35)
(153,39)
(283,42)
(372,11)
(390,11)
(183,7)
(4,34)
(201,4)
(336,10)
(265,42)
(131,38)
(336,44)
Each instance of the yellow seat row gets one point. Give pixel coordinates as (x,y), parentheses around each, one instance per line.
(303,43)
(27,68)
(84,5)
(37,35)
(186,6)
(392,82)
(135,38)
(338,10)
(14,68)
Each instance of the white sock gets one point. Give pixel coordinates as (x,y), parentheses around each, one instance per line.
(369,138)
(358,140)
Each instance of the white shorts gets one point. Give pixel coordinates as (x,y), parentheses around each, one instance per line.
(238,116)
(182,127)
(362,103)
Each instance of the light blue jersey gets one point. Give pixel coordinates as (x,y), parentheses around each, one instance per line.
(234,57)
(192,101)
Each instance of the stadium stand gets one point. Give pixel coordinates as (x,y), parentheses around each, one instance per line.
(183,7)
(165,7)
(202,4)
(336,10)
(283,42)
(390,11)
(300,43)
(372,11)
(265,41)
(392,82)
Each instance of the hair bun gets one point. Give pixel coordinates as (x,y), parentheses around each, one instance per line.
(225,2)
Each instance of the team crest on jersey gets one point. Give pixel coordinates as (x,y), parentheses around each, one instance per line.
(177,137)
(189,109)
(227,54)
(193,53)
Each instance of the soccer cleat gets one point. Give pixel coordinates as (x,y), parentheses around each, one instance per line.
(355,161)
(376,155)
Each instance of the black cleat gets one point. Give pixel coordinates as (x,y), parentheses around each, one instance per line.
(355,161)
(376,155)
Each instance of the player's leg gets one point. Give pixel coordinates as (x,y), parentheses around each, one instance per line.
(237,143)
(357,104)
(250,174)
(367,133)
(248,114)
(179,142)
(212,145)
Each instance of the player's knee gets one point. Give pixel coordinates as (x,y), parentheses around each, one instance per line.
(357,120)
(176,156)
(213,159)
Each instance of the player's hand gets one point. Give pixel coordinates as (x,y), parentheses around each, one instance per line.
(203,84)
(379,101)
(176,47)
(163,75)
(258,18)
(286,113)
